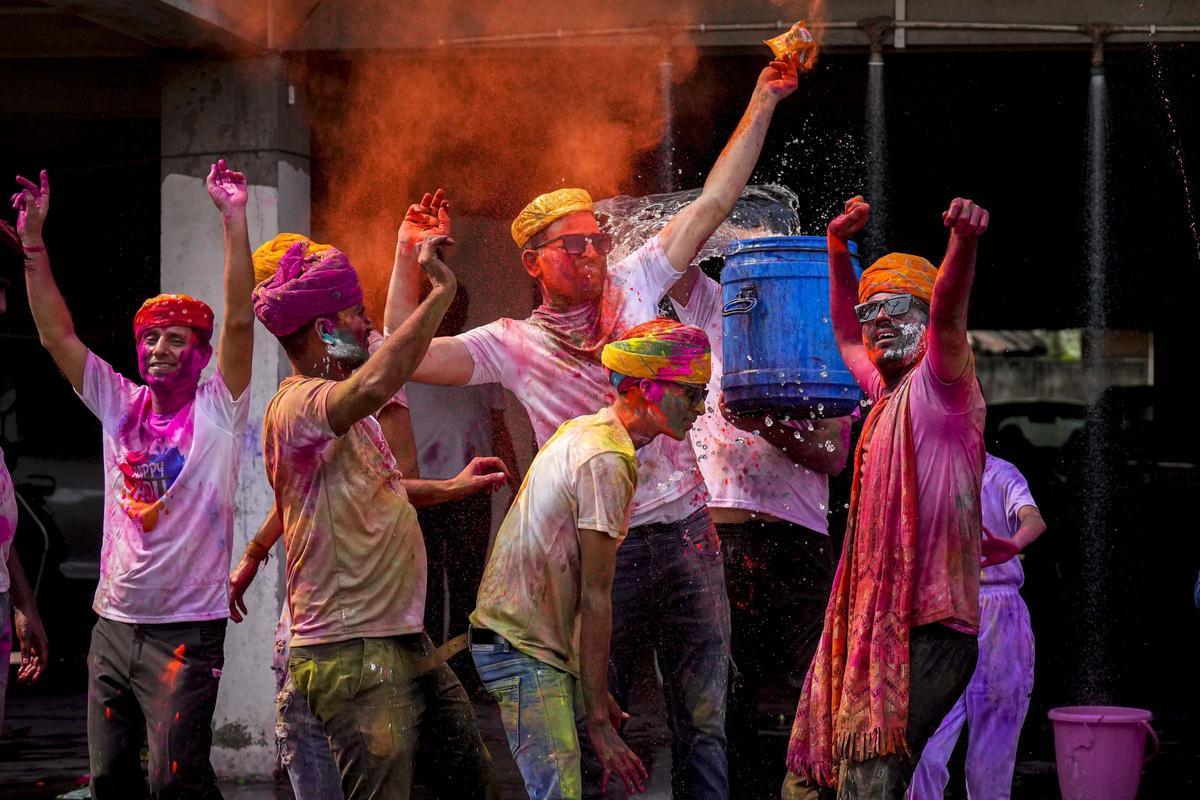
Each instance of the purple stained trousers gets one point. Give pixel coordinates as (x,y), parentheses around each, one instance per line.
(993,706)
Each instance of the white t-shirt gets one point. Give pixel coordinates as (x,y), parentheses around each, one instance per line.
(551,362)
(582,479)
(169,487)
(8,527)
(743,470)
(451,425)
(1002,495)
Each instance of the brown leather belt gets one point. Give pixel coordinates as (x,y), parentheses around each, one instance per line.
(441,654)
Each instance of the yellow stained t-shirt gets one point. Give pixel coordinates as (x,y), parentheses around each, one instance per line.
(582,479)
(355,554)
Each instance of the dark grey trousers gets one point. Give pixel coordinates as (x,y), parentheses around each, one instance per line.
(155,684)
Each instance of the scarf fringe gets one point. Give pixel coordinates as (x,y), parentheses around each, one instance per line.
(852,747)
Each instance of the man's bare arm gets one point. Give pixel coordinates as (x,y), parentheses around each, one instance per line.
(55,328)
(688,230)
(843,289)
(949,349)
(235,350)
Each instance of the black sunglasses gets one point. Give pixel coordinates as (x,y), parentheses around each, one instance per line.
(894,306)
(575,244)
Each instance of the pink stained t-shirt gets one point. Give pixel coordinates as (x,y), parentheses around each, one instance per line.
(947,430)
(1005,492)
(169,488)
(551,362)
(355,555)
(742,470)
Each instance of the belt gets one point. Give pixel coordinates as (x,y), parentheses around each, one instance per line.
(484,636)
(441,654)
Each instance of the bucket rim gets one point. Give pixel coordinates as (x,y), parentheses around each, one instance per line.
(797,242)
(1099,714)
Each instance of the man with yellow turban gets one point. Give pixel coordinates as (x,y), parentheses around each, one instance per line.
(543,620)
(899,642)
(551,362)
(172,448)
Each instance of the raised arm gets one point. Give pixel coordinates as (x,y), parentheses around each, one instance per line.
(56,330)
(949,350)
(843,289)
(447,361)
(235,351)
(688,230)
(374,383)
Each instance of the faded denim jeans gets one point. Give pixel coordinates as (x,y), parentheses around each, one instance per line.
(389,723)
(543,715)
(303,749)
(669,594)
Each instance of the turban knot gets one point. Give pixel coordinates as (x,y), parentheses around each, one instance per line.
(661,349)
(548,208)
(174,309)
(266,257)
(303,288)
(898,273)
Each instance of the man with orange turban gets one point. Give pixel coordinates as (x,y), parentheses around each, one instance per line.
(551,362)
(544,612)
(171,453)
(899,642)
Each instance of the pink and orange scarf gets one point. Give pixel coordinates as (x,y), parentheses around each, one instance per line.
(854,704)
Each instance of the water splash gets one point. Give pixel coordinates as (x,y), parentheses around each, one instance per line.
(875,237)
(767,210)
(1176,142)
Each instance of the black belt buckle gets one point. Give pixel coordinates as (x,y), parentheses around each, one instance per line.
(484,636)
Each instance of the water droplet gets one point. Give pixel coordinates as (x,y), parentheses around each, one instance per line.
(798,436)
(821,407)
(768,421)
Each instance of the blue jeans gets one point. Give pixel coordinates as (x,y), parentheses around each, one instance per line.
(669,593)
(543,715)
(303,748)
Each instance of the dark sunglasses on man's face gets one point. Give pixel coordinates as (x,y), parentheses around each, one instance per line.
(894,306)
(575,244)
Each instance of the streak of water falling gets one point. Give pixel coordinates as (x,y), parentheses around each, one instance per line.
(875,236)
(767,210)
(1176,142)
(1093,675)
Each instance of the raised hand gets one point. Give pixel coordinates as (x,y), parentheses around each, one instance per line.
(226,188)
(852,220)
(430,262)
(430,217)
(32,203)
(994,550)
(779,78)
(965,219)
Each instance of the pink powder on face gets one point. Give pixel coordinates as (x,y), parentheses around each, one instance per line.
(190,362)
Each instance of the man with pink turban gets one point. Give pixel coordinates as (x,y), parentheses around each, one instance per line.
(899,642)
(171,453)
(355,557)
(551,362)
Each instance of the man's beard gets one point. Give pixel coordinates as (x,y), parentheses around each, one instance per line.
(905,347)
(347,353)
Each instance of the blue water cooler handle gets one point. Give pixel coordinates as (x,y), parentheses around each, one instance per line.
(742,303)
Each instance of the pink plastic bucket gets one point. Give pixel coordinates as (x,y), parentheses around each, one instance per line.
(1100,751)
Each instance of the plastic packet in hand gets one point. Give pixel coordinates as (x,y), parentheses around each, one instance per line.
(796,41)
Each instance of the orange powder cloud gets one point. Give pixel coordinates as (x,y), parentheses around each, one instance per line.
(493,126)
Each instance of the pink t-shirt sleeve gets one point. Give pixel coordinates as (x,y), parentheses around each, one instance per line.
(299,413)
(1016,496)
(488,349)
(106,392)
(216,403)
(604,487)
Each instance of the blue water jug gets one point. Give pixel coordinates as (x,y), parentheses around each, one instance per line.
(779,354)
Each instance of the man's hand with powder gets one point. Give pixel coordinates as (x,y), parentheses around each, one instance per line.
(430,217)
(227,189)
(779,78)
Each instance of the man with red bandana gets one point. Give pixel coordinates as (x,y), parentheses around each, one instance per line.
(899,641)
(171,453)
(669,588)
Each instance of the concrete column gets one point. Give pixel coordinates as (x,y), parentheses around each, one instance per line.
(248,112)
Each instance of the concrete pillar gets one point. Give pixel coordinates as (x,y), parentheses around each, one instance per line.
(250,113)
